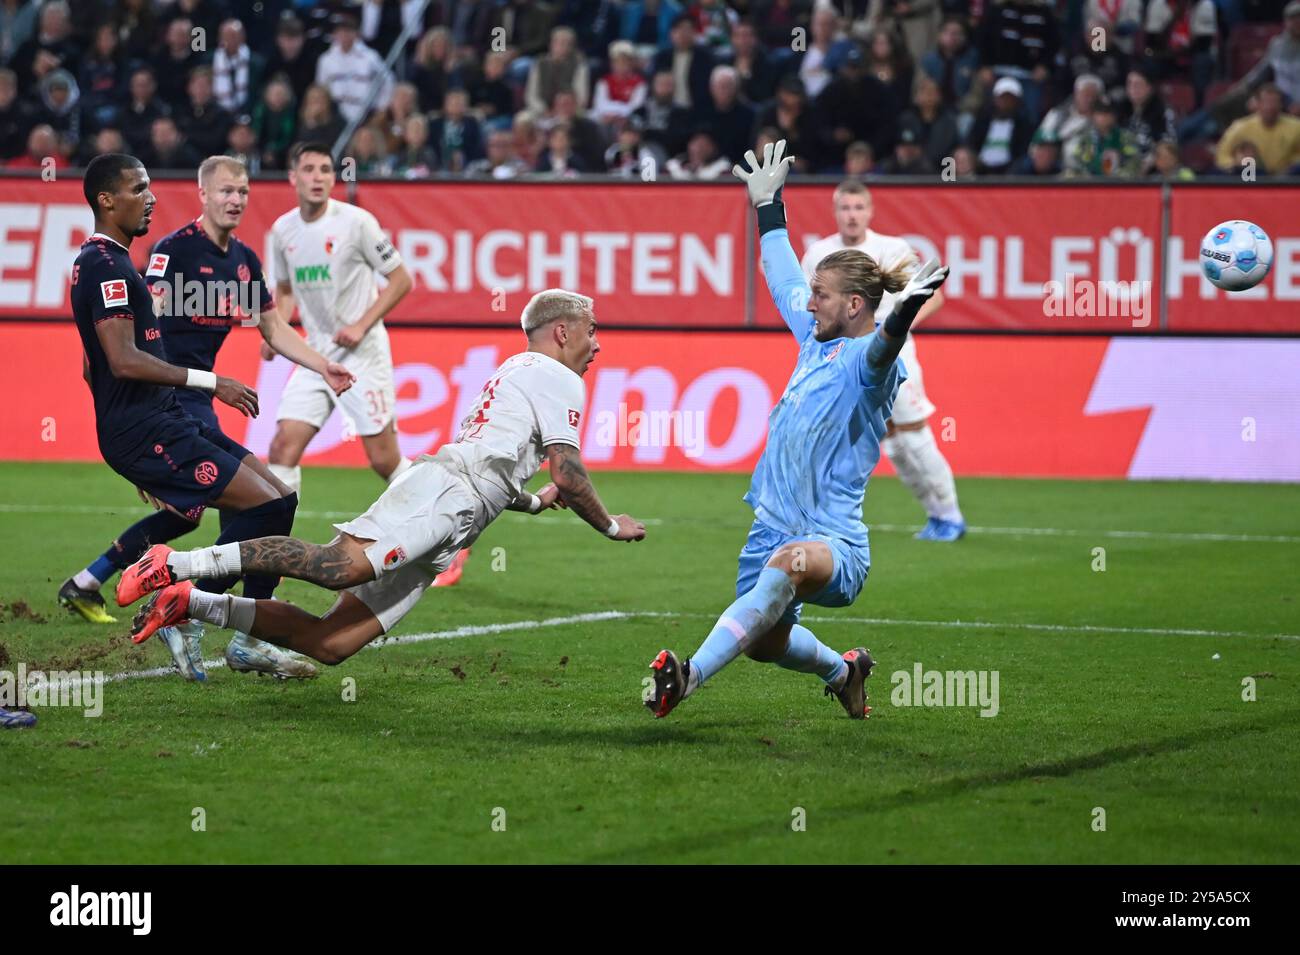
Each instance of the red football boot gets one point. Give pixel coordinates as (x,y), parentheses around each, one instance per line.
(451,575)
(168,607)
(146,575)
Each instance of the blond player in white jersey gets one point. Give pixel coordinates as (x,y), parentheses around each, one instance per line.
(529,411)
(909,443)
(324,255)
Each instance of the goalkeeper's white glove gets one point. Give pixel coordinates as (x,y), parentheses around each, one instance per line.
(919,289)
(764,181)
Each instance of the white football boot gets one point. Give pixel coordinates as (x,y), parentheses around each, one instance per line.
(250,655)
(182,641)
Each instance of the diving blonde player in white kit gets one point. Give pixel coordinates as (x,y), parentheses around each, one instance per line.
(529,411)
(909,443)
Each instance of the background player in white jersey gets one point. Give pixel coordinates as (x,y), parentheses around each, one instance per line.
(324,255)
(528,411)
(910,443)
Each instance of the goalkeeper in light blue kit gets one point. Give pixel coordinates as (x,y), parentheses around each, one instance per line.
(808,542)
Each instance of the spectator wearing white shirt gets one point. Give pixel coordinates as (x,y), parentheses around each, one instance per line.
(349,68)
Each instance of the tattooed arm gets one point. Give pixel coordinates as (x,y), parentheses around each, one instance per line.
(576,492)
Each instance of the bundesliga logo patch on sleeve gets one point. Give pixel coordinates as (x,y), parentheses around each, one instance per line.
(114,292)
(158,264)
(574,416)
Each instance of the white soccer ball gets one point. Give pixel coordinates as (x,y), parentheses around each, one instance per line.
(1236,255)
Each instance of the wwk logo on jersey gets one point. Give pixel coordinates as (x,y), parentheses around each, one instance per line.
(307,274)
(157,264)
(114,292)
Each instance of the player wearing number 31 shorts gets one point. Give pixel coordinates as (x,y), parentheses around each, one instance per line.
(324,255)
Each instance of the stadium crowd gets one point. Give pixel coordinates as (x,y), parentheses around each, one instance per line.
(661,88)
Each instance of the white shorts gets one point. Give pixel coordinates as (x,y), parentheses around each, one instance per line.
(911,406)
(417,525)
(369,404)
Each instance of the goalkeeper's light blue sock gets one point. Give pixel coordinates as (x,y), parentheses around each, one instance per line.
(807,654)
(753,614)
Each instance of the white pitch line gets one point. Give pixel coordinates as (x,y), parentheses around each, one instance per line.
(1056,628)
(475,630)
(997,625)
(1146,535)
(658,521)
(466,631)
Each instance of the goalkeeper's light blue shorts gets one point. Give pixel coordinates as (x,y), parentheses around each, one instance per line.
(852,562)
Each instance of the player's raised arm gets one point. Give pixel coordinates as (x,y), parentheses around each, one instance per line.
(785,278)
(892,332)
(576,492)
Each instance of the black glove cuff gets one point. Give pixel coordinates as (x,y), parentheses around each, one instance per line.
(899,320)
(771,216)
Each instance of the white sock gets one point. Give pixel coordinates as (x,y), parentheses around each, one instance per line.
(87,581)
(402,467)
(223,610)
(692,682)
(210,608)
(219,560)
(242,612)
(924,471)
(292,476)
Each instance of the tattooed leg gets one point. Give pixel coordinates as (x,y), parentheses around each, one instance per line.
(341,563)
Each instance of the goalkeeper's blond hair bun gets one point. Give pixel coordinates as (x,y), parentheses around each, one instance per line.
(860,274)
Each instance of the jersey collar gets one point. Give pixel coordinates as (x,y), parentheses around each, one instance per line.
(108,238)
(558,364)
(198,225)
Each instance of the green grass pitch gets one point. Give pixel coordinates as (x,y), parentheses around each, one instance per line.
(1120,690)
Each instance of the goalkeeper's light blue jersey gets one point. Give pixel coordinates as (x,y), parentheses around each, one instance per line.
(823,436)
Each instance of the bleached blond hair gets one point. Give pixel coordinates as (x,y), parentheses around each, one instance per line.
(213,163)
(552,304)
